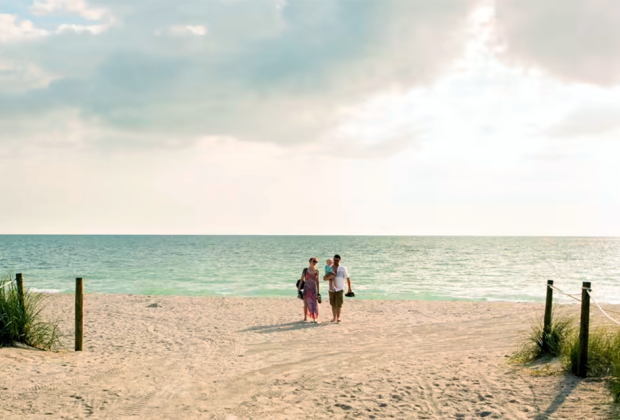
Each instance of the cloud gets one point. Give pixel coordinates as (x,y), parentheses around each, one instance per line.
(93,29)
(21,76)
(587,121)
(573,40)
(181,30)
(353,148)
(198,30)
(80,7)
(12,30)
(267,71)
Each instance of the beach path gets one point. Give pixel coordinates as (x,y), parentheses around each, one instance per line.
(156,357)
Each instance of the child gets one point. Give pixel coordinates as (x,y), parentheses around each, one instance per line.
(328,270)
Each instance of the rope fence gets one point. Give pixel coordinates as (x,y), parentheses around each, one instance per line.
(584,328)
(579,300)
(564,293)
(602,310)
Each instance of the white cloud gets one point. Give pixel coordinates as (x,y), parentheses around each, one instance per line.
(587,120)
(93,29)
(13,30)
(381,127)
(197,30)
(80,7)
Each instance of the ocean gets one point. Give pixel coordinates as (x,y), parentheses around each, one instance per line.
(513,269)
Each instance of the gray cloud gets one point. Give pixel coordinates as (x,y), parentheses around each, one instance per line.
(574,40)
(265,71)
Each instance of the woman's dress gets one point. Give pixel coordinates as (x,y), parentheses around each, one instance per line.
(310,295)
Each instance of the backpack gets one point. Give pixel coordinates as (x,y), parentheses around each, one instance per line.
(302,280)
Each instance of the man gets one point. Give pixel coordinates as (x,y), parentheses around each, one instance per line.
(336,294)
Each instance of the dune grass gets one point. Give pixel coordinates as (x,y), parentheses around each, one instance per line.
(533,347)
(563,343)
(24,323)
(603,356)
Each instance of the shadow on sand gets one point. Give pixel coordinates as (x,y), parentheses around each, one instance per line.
(291,326)
(564,389)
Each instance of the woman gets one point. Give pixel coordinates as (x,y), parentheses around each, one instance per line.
(311,290)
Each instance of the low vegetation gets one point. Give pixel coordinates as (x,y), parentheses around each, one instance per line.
(563,343)
(603,356)
(534,347)
(23,322)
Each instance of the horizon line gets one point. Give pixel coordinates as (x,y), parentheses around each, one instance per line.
(310,235)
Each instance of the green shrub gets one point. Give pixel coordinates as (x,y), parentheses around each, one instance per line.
(24,323)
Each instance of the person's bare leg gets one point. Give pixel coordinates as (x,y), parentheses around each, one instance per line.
(312,315)
(334,318)
(338,313)
(305,311)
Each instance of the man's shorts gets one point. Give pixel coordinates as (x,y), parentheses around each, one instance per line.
(336,298)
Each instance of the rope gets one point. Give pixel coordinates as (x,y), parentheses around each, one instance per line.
(10,281)
(613,312)
(5,283)
(577,299)
(564,293)
(604,313)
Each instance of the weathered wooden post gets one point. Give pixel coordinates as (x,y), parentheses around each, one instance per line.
(547,321)
(19,279)
(584,331)
(79,314)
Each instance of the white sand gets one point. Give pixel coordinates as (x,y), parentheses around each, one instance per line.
(228,358)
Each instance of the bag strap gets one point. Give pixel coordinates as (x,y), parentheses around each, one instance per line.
(303,273)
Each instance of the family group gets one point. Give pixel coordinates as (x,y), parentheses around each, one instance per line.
(308,288)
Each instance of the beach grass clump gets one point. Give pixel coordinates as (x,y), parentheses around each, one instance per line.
(603,356)
(22,322)
(563,343)
(534,347)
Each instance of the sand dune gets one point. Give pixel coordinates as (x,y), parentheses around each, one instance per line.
(229,358)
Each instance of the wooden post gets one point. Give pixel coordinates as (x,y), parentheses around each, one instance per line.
(547,321)
(20,289)
(79,314)
(584,331)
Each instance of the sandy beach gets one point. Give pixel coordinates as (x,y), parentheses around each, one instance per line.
(154,357)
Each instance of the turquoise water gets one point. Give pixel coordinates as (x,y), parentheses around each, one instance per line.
(423,268)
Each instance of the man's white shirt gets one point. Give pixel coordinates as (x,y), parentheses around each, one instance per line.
(341,275)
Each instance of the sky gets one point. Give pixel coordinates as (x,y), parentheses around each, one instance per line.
(310,117)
